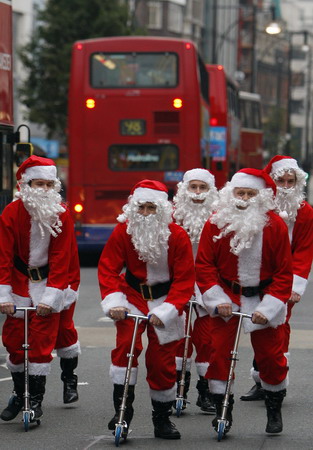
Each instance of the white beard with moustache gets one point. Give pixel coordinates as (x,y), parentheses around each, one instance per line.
(288,201)
(44,206)
(149,234)
(192,216)
(244,223)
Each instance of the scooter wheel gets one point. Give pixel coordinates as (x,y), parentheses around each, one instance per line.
(220,430)
(26,417)
(179,406)
(118,432)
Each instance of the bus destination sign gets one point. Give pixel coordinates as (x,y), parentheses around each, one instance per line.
(133,127)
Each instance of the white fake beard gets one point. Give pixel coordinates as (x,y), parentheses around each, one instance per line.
(288,201)
(243,223)
(44,206)
(192,216)
(149,234)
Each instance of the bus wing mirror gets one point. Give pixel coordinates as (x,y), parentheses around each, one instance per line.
(23,151)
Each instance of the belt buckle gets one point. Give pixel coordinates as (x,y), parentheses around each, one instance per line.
(29,271)
(143,294)
(235,287)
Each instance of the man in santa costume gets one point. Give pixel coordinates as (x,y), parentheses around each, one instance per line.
(298,215)
(244,263)
(36,269)
(159,281)
(192,208)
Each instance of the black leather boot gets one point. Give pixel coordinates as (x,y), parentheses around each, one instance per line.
(163,427)
(117,400)
(255,393)
(186,386)
(218,402)
(204,400)
(37,388)
(69,378)
(273,402)
(16,400)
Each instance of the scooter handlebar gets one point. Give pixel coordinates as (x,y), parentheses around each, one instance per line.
(24,308)
(237,313)
(135,316)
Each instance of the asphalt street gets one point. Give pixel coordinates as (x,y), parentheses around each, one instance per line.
(83,425)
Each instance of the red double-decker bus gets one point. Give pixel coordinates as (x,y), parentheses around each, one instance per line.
(224,125)
(138,108)
(6,104)
(251,133)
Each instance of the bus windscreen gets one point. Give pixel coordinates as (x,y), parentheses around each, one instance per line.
(136,70)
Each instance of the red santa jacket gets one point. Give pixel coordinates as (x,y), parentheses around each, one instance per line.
(301,232)
(176,264)
(20,235)
(269,258)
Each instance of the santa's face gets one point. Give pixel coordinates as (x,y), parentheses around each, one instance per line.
(244,195)
(197,187)
(145,209)
(286,181)
(43,184)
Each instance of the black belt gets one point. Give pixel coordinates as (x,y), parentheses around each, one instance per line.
(246,291)
(148,292)
(35,274)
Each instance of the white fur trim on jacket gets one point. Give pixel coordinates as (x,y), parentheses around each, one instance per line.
(49,296)
(299,284)
(70,297)
(273,309)
(174,325)
(6,293)
(39,368)
(164,396)
(114,300)
(14,367)
(213,297)
(117,375)
(69,352)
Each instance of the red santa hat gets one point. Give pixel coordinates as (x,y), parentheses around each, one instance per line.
(36,167)
(253,179)
(149,191)
(280,164)
(200,175)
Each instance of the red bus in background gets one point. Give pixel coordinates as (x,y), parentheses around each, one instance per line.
(224,125)
(138,108)
(251,134)
(6,104)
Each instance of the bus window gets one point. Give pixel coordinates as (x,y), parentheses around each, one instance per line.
(138,70)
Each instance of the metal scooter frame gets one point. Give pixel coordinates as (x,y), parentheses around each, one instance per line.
(121,427)
(222,422)
(182,382)
(28,413)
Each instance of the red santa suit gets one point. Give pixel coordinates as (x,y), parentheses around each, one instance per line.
(269,258)
(300,234)
(200,331)
(22,237)
(67,343)
(175,264)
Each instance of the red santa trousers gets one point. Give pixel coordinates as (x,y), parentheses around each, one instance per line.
(201,338)
(286,327)
(267,345)
(42,334)
(160,359)
(67,335)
